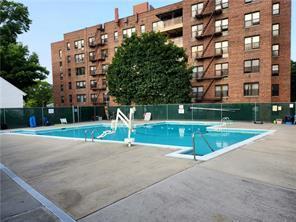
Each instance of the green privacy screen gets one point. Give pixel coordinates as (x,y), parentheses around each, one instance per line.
(267,112)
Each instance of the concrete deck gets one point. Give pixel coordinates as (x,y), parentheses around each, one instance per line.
(110,182)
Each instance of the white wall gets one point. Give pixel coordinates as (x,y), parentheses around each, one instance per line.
(10,96)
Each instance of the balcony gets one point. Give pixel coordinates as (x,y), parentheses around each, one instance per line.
(92,44)
(94,86)
(103,57)
(92,58)
(170,24)
(177,41)
(103,42)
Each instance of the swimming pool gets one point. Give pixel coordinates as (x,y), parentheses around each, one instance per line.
(211,142)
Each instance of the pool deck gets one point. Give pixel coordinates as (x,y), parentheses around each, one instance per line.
(111,182)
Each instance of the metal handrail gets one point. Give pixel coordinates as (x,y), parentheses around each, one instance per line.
(193,143)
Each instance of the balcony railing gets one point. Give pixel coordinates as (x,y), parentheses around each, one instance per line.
(170,24)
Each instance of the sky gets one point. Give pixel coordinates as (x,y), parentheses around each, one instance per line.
(52,18)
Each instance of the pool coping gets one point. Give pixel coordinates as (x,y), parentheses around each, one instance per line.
(180,149)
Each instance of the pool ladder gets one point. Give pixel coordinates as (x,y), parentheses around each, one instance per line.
(92,135)
(193,142)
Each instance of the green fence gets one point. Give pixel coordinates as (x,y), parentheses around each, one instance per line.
(267,112)
(19,117)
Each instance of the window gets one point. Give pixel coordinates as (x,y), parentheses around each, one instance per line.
(93,84)
(221,25)
(61,76)
(94,97)
(80,84)
(80,71)
(60,53)
(62,99)
(248,1)
(252,65)
(79,44)
(252,42)
(221,48)
(252,19)
(68,46)
(68,59)
(70,99)
(105,68)
(196,9)
(104,53)
(221,4)
(127,33)
(143,28)
(79,58)
(275,70)
(275,30)
(221,91)
(105,98)
(115,49)
(197,51)
(198,72)
(92,56)
(104,38)
(251,89)
(81,98)
(198,91)
(275,90)
(69,85)
(61,66)
(93,70)
(92,41)
(275,50)
(62,87)
(196,30)
(115,36)
(69,72)
(276,8)
(221,69)
(156,26)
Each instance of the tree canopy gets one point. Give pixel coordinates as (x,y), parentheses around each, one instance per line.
(148,69)
(18,66)
(39,95)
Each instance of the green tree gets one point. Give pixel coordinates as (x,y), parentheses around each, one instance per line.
(148,70)
(293,81)
(39,95)
(18,66)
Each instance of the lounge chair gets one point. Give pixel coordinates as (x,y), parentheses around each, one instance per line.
(63,121)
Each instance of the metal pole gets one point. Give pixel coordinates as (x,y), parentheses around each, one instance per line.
(221,113)
(73,114)
(193,145)
(78,114)
(4,116)
(42,116)
(167,111)
(255,112)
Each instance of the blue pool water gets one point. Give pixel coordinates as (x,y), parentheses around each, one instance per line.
(171,134)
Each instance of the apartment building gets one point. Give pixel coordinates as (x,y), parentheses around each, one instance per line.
(240,50)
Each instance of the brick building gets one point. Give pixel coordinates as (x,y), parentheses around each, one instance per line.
(240,50)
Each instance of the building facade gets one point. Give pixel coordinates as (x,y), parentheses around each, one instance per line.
(240,50)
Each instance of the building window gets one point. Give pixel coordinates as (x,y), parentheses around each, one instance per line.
(104,38)
(92,56)
(221,69)
(248,1)
(80,71)
(106,98)
(69,72)
(127,33)
(196,30)
(252,19)
(198,91)
(275,70)
(80,84)
(115,49)
(252,42)
(221,4)
(104,53)
(275,90)
(276,8)
(252,65)
(79,58)
(93,84)
(69,85)
(115,36)
(275,30)
(143,29)
(221,25)
(62,87)
(60,53)
(197,72)
(61,76)
(70,99)
(94,98)
(275,50)
(81,98)
(105,68)
(68,46)
(221,48)
(196,9)
(62,99)
(197,51)
(156,26)
(251,89)
(93,70)
(79,44)
(221,91)
(92,41)
(68,59)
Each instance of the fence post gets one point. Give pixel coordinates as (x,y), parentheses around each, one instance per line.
(42,116)
(78,114)
(4,116)
(221,112)
(73,114)
(167,112)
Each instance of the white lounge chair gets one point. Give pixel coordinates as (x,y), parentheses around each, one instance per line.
(63,121)
(147,116)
